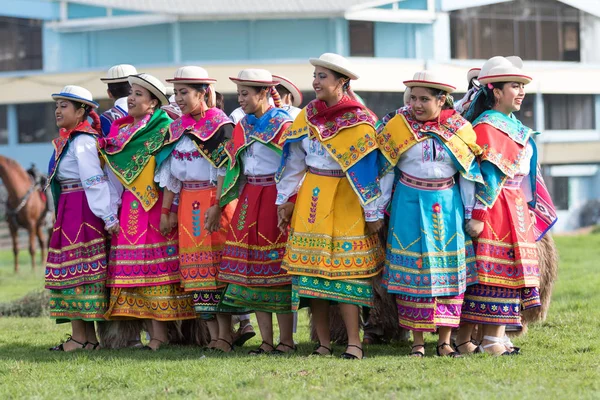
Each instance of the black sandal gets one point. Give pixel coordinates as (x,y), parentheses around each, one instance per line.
(281,352)
(150,348)
(347,356)
(419,354)
(61,347)
(473,342)
(453,354)
(94,345)
(260,350)
(223,351)
(316,353)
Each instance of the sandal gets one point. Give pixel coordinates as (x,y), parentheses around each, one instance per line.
(223,351)
(316,353)
(347,356)
(245,333)
(495,341)
(281,352)
(61,347)
(472,341)
(94,345)
(508,343)
(260,350)
(150,348)
(417,353)
(373,338)
(452,354)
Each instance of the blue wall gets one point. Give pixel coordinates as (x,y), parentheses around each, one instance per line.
(34,9)
(395,40)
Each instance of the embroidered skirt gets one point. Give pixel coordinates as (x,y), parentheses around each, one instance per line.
(162,303)
(497,306)
(425,314)
(506,250)
(329,250)
(77,261)
(140,255)
(274,299)
(428,254)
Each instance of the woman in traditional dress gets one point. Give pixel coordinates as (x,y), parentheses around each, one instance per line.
(333,249)
(506,252)
(192,169)
(77,259)
(254,248)
(429,259)
(143,271)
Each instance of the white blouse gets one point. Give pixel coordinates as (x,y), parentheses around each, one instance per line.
(185,164)
(311,153)
(430,160)
(258,159)
(82,163)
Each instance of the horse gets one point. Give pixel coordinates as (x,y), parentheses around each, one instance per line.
(26,208)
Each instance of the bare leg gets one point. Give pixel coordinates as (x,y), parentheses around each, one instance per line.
(265,325)
(213,330)
(463,339)
(418,342)
(78,333)
(225,336)
(320,319)
(90,335)
(494,331)
(15,242)
(159,334)
(445,332)
(351,320)
(286,329)
(32,247)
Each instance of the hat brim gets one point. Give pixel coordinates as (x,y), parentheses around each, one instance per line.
(164,100)
(206,81)
(430,84)
(115,80)
(245,82)
(67,96)
(524,79)
(293,89)
(472,74)
(317,62)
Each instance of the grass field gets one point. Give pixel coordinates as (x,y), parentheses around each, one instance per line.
(560,358)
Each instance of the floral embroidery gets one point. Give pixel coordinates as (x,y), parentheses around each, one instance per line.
(436,208)
(132,222)
(242,216)
(148,197)
(196,216)
(94,180)
(187,155)
(516,131)
(328,127)
(438,223)
(369,191)
(202,129)
(312,216)
(355,152)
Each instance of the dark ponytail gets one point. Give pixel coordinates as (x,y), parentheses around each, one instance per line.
(484,100)
(438,93)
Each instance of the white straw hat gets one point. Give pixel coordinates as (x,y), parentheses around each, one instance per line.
(472,74)
(503,69)
(191,74)
(76,93)
(293,89)
(119,73)
(152,84)
(169,91)
(430,80)
(336,63)
(254,77)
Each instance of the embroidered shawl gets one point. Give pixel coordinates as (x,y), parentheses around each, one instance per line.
(399,131)
(267,130)
(354,149)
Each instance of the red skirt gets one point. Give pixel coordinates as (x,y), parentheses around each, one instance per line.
(255,246)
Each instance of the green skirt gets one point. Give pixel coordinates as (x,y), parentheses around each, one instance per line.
(351,291)
(271,299)
(84,302)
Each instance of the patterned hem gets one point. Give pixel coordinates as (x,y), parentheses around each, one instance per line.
(85,302)
(142,282)
(160,303)
(492,305)
(358,292)
(268,299)
(84,280)
(243,280)
(427,314)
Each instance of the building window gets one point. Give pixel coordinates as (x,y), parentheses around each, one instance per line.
(21,44)
(362,42)
(560,192)
(36,122)
(3,125)
(569,111)
(531,29)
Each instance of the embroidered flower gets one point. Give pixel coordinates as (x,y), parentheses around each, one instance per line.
(273,254)
(419,263)
(135,205)
(436,208)
(316,191)
(347,246)
(171,250)
(196,205)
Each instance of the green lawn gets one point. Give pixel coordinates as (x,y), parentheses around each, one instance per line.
(14,286)
(560,358)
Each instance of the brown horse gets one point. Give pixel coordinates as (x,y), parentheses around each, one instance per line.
(25,207)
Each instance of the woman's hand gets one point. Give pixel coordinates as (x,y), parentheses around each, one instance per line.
(284,215)
(113,229)
(212,219)
(173,220)
(165,226)
(375,226)
(474,227)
